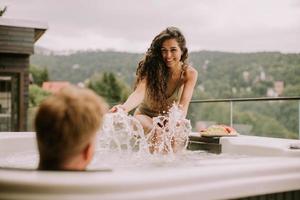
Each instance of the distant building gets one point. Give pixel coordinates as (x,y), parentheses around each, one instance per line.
(271,92)
(279,87)
(201,87)
(262,76)
(75,66)
(17,38)
(205,65)
(277,90)
(54,86)
(246,76)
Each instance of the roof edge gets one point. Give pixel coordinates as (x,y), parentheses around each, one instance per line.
(23,23)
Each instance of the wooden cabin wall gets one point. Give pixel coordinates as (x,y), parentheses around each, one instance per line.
(16,40)
(18,64)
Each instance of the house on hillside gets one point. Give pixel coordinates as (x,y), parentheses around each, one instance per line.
(54,86)
(17,39)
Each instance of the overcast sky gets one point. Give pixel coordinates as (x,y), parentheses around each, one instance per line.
(130,25)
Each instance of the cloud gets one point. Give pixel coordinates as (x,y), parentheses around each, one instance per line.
(244,25)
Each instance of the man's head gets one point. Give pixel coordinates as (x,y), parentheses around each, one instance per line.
(66,124)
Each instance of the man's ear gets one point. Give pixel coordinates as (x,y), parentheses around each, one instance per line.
(88,152)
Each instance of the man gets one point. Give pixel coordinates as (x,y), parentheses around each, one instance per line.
(66,124)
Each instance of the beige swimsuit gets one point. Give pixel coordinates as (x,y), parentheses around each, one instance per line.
(146,108)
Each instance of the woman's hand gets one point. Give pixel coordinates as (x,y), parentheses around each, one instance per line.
(133,100)
(117,108)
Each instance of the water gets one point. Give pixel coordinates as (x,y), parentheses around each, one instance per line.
(124,132)
(170,133)
(130,161)
(122,145)
(25,160)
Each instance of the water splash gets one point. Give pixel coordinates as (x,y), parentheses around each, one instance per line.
(123,132)
(170,133)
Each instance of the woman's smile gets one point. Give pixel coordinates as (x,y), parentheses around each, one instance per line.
(171,52)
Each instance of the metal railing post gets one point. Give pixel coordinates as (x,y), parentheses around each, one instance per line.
(299,119)
(231,105)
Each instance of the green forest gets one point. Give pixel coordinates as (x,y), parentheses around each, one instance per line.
(221,75)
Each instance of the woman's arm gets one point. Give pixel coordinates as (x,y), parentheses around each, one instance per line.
(136,97)
(188,89)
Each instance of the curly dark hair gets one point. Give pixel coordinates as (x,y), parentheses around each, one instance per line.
(153,68)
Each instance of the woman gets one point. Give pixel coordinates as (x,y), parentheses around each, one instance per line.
(163,77)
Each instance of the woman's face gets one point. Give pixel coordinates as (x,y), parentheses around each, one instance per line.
(171,53)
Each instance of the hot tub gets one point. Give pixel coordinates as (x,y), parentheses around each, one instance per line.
(258,166)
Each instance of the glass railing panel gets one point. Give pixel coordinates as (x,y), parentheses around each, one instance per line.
(203,115)
(278,119)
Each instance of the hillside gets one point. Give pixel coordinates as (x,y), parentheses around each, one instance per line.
(81,65)
(221,74)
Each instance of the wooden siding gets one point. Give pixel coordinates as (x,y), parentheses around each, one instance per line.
(16,40)
(16,61)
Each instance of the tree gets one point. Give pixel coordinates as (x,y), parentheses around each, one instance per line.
(36,95)
(39,75)
(107,86)
(2,11)
(292,90)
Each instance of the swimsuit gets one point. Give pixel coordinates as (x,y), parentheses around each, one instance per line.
(146,108)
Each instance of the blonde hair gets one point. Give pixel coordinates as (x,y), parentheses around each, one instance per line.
(66,122)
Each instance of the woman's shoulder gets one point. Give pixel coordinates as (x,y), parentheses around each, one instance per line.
(190,72)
